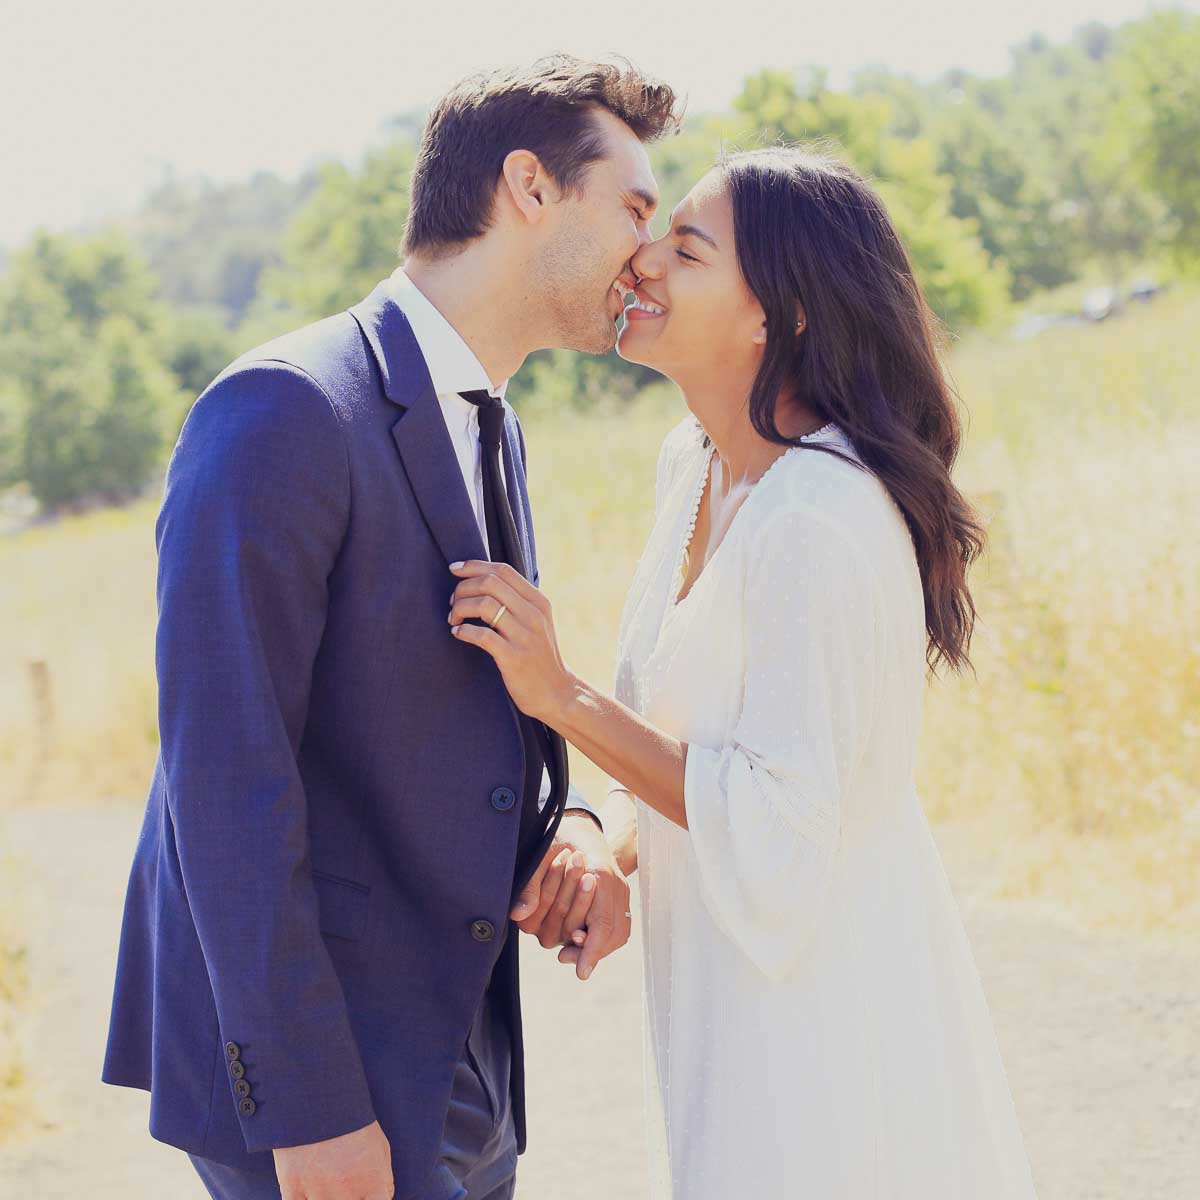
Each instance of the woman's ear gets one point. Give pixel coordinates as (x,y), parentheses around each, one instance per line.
(760,334)
(524,182)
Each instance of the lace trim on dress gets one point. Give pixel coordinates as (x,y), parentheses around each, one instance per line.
(683,557)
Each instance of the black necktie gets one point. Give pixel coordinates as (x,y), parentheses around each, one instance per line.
(537,828)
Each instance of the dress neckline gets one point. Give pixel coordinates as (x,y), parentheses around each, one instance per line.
(674,600)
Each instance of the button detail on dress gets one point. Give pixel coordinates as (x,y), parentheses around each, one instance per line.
(503,799)
(233,1051)
(247,1107)
(482,930)
(236,1069)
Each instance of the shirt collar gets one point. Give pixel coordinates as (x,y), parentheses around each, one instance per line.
(452,364)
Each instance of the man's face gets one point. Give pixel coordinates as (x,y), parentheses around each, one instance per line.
(584,263)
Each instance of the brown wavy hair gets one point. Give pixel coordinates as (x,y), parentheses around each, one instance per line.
(811,231)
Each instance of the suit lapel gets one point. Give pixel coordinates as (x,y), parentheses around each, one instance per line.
(420,432)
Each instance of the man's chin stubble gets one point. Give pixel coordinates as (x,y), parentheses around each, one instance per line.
(591,341)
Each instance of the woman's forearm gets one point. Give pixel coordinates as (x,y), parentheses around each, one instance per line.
(647,761)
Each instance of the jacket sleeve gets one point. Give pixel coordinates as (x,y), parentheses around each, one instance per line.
(764,810)
(255,508)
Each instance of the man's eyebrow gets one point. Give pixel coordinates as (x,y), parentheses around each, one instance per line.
(649,199)
(694,231)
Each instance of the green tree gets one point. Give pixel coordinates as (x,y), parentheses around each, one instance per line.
(346,237)
(196,346)
(82,281)
(87,394)
(962,284)
(10,434)
(1159,62)
(1010,202)
(1064,105)
(209,243)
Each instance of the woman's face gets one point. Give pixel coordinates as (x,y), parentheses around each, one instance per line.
(694,312)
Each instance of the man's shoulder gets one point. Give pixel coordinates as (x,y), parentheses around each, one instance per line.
(326,350)
(309,377)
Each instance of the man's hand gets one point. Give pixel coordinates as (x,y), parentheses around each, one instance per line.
(559,901)
(354,1166)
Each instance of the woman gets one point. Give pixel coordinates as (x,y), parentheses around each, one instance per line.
(816,1024)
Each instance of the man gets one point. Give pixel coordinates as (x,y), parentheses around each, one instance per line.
(317,978)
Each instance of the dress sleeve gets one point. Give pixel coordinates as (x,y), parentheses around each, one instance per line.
(764,810)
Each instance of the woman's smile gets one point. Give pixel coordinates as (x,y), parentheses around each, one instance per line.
(644,308)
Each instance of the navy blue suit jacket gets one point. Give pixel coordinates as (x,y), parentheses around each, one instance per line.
(323,877)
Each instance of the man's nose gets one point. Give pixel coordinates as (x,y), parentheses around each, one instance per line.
(645,263)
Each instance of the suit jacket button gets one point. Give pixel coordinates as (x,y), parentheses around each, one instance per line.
(483,931)
(241,1088)
(247,1107)
(236,1069)
(233,1051)
(503,799)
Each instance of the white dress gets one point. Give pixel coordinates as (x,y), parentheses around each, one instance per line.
(815,1023)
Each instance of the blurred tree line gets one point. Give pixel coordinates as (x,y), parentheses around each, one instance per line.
(1083,158)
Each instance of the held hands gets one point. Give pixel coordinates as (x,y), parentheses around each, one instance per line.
(577,898)
(354,1166)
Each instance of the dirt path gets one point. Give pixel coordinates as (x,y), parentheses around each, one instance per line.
(1101,1037)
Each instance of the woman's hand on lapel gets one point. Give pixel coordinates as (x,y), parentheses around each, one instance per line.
(522,640)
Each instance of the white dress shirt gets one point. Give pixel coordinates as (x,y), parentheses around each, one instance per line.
(454,367)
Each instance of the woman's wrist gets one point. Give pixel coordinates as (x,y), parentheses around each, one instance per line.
(570,693)
(624,848)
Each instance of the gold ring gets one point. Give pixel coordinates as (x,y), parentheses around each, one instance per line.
(496,619)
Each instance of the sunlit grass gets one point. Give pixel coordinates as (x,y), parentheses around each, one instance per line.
(77,597)
(14,1107)
(1077,745)
(1079,742)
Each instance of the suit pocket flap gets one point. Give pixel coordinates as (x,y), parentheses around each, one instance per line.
(342,904)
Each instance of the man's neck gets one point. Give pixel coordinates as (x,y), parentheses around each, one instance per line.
(477,294)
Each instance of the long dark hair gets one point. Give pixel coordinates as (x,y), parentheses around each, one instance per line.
(812,232)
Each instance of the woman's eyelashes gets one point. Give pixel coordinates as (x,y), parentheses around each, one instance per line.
(687,257)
